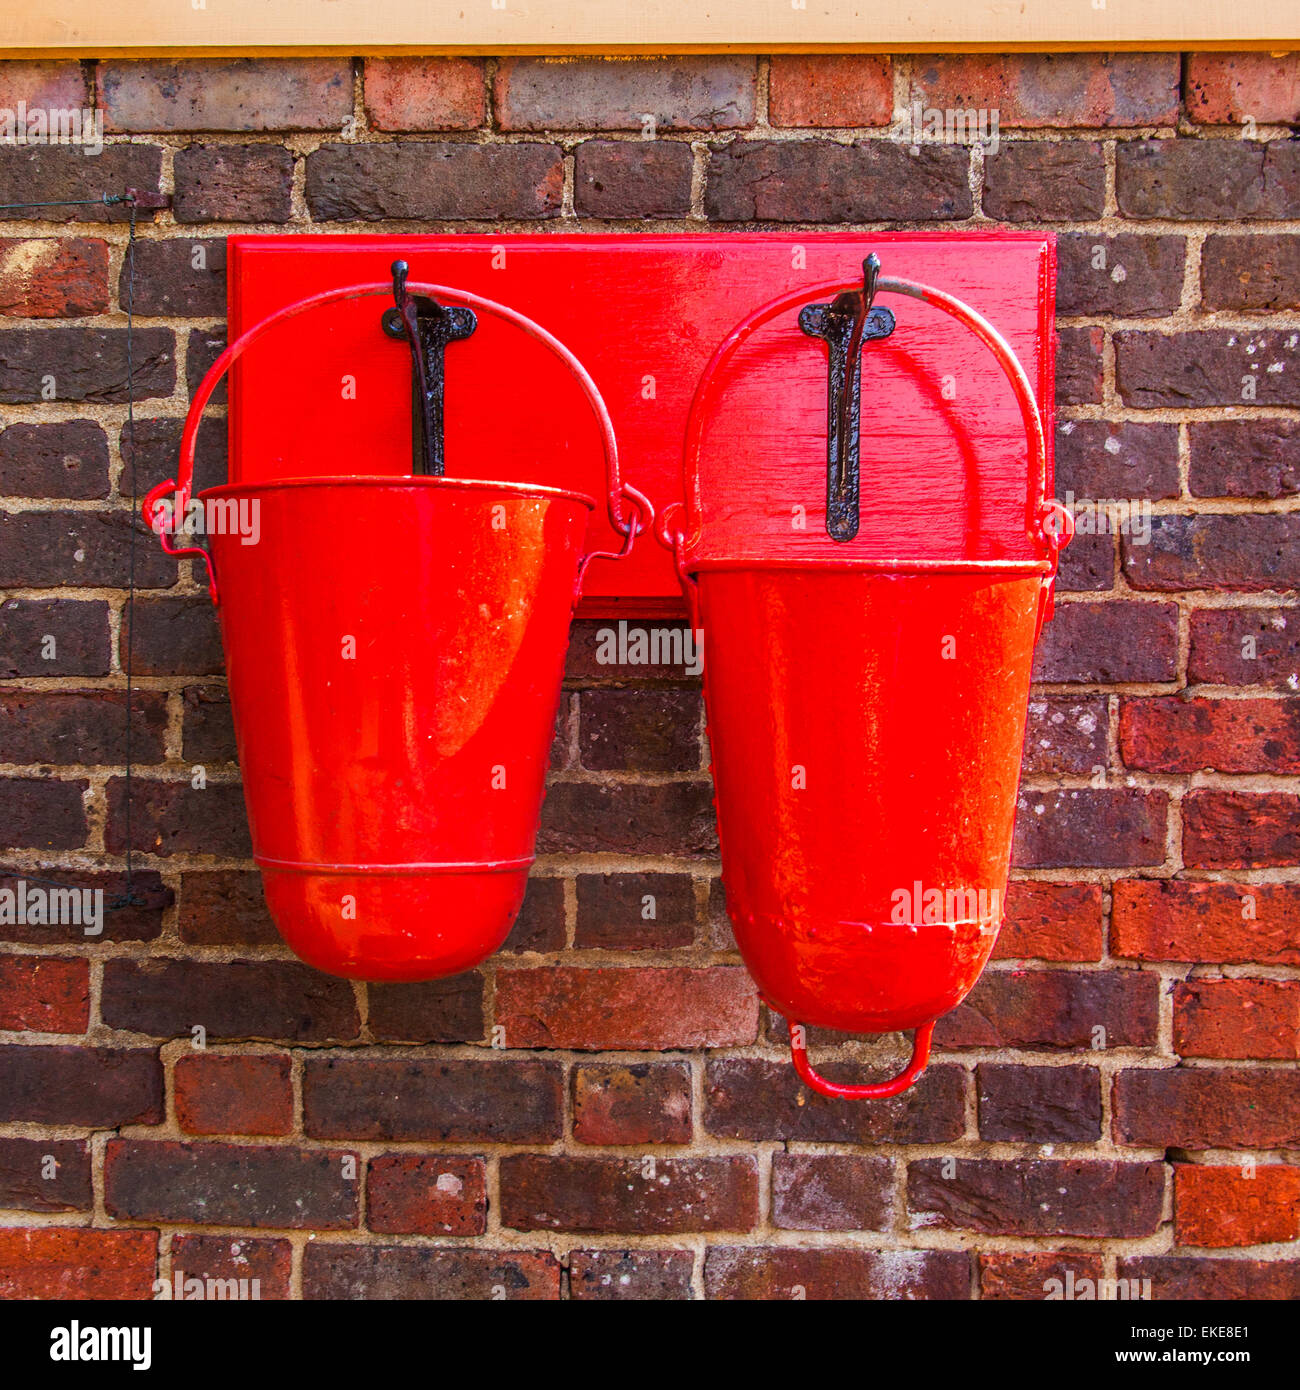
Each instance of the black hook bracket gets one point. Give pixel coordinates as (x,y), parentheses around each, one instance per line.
(845,324)
(428,327)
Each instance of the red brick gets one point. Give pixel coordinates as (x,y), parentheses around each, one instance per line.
(1109,643)
(1245,646)
(639,1275)
(1236,830)
(43,84)
(613,908)
(448,1010)
(1173,920)
(1212,367)
(41,813)
(638,1008)
(425,93)
(1051,921)
(1250,272)
(1243,458)
(224,907)
(177,818)
(1045,181)
(1057,90)
(1090,828)
(1128,274)
(1039,1105)
(233,1095)
(44,994)
(265,1262)
(749,1098)
(227,94)
(1220,1108)
(632,178)
(348,1272)
(1219,1206)
(62,459)
(63,1262)
(81,727)
(53,278)
(45,1175)
(785,1272)
(830,1192)
(1071,1197)
(426,1195)
(1237,1018)
(831,89)
(233,183)
(629,818)
(501,1101)
(1229,88)
(231,1185)
(637,1103)
(1183,1279)
(1055,1008)
(664,1196)
(1031,1277)
(271,1000)
(1207,180)
(680,93)
(1172,734)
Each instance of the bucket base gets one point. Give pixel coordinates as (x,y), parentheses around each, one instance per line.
(393,924)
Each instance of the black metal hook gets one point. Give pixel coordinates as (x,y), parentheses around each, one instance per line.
(428,327)
(846,324)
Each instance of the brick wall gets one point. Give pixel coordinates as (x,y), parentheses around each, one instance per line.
(638,1131)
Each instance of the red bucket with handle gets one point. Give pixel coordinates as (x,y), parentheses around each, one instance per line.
(865,779)
(395,649)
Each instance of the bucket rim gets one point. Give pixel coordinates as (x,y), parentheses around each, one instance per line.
(991,569)
(388,480)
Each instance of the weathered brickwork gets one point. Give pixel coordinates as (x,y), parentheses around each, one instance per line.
(604,1110)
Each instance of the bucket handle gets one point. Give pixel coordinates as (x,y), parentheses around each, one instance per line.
(1048,524)
(879,1090)
(618,491)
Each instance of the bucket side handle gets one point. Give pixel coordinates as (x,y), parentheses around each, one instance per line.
(630,511)
(880,1090)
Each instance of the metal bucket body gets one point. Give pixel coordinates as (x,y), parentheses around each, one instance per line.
(866,732)
(395,649)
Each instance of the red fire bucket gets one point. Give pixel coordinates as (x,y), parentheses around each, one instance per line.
(395,648)
(865,799)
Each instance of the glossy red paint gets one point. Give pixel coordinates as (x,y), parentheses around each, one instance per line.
(395,648)
(866,705)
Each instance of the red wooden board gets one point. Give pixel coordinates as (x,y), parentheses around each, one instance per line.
(942,445)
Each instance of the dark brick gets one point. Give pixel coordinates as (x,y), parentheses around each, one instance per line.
(1087,565)
(272,1000)
(1239,552)
(80,726)
(1073,1197)
(53,277)
(594,648)
(660,1196)
(250,1094)
(84,364)
(632,178)
(78,631)
(612,911)
(208,730)
(174,637)
(62,173)
(1109,643)
(1187,1278)
(429,1011)
(1175,734)
(639,730)
(1065,735)
(265,1263)
(1079,366)
(1090,828)
(746,1098)
(1100,461)
(169,283)
(830,1192)
(1157,371)
(1128,275)
(140,921)
(1208,180)
(80,550)
(714,92)
(205,345)
(1045,181)
(634,818)
(540,925)
(45,1175)
(426,1195)
(787,1272)
(157,446)
(1244,458)
(177,818)
(409,1272)
(1251,272)
(1245,646)
(1241,830)
(1217,1108)
(233,183)
(434,181)
(40,813)
(640,1275)
(91,1087)
(824,181)
(1039,1105)
(57,460)
(503,1101)
(231,1185)
(224,907)
(1055,1009)
(637,1103)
